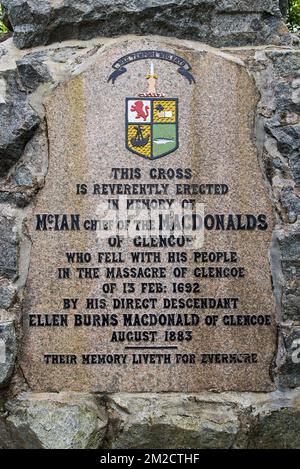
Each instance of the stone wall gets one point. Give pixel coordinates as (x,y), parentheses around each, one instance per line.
(216,22)
(52,42)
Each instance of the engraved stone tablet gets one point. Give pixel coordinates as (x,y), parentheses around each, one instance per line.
(149,264)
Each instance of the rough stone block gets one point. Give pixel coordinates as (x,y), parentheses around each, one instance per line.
(291,203)
(60,421)
(288,371)
(32,72)
(170,421)
(288,138)
(7,294)
(42,22)
(8,248)
(290,254)
(18,123)
(291,302)
(8,351)
(277,430)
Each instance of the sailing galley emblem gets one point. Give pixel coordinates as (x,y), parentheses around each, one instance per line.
(151,118)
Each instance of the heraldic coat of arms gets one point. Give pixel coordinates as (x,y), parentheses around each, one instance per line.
(152,122)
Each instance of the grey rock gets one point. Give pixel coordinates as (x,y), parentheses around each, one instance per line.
(277,430)
(238,27)
(5,437)
(285,63)
(8,248)
(4,37)
(283,5)
(294,164)
(10,439)
(291,302)
(222,22)
(8,351)
(204,420)
(32,72)
(282,84)
(29,173)
(3,51)
(22,176)
(288,138)
(284,96)
(267,6)
(7,294)
(20,199)
(288,370)
(18,123)
(291,203)
(290,255)
(170,421)
(54,421)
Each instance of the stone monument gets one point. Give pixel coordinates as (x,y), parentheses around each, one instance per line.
(149,226)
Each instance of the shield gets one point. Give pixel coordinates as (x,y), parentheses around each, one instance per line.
(152,126)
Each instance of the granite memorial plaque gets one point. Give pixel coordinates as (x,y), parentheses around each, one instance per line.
(149,266)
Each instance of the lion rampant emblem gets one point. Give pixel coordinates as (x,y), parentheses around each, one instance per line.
(141,112)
